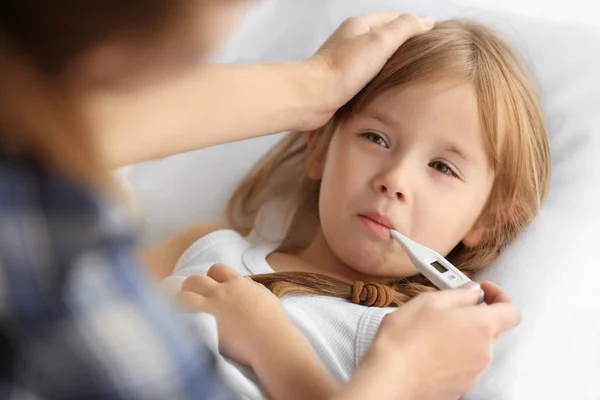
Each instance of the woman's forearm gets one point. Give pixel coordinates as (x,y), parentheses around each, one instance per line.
(219,103)
(208,105)
(381,377)
(289,368)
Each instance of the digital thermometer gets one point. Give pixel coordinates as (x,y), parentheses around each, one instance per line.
(433,266)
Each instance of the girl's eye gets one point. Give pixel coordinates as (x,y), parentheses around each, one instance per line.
(443,168)
(376,138)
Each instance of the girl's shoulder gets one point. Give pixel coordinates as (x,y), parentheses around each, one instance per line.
(195,250)
(176,251)
(214,244)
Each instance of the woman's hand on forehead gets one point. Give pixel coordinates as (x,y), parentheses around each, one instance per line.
(360,47)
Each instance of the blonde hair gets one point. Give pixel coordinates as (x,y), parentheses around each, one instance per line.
(512,120)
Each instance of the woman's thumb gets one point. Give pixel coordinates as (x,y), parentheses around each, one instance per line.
(467,295)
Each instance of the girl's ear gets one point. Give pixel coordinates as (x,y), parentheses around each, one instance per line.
(478,232)
(490,220)
(475,235)
(514,215)
(314,162)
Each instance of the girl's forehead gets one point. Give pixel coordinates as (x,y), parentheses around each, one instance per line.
(424,93)
(445,112)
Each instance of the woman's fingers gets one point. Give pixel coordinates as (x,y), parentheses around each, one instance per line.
(503,316)
(494,293)
(396,32)
(502,312)
(452,298)
(366,22)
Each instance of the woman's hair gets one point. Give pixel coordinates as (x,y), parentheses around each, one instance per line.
(516,141)
(40,41)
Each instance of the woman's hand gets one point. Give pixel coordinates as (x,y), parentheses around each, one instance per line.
(248,315)
(211,104)
(437,346)
(357,51)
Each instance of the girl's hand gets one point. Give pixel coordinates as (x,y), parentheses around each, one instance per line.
(357,51)
(438,344)
(248,315)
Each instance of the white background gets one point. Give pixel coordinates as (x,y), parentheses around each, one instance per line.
(587,11)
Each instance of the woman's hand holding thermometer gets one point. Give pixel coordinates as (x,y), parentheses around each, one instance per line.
(438,345)
(433,266)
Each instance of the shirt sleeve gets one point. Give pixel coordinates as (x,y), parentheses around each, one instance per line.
(367,329)
(78,318)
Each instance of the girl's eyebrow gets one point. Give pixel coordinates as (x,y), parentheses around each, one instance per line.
(445,144)
(381,117)
(453,147)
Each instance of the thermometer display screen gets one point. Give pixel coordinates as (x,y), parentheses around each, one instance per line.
(439,267)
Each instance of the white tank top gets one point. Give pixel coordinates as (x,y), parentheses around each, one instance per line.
(341,332)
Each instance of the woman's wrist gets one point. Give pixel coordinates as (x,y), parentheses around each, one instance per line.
(316,85)
(382,374)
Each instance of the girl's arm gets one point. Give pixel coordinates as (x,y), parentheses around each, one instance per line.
(254,330)
(289,368)
(284,360)
(409,358)
(219,103)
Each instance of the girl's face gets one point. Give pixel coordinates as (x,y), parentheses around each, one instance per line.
(414,159)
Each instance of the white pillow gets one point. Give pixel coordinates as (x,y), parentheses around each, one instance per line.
(551,271)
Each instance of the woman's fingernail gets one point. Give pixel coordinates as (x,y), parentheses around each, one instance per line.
(471,286)
(427,20)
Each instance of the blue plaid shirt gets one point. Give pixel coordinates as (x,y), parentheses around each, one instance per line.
(78,319)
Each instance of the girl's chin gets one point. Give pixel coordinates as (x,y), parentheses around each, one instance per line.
(367,261)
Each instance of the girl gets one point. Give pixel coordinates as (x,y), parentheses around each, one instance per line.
(447,145)
(85,85)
